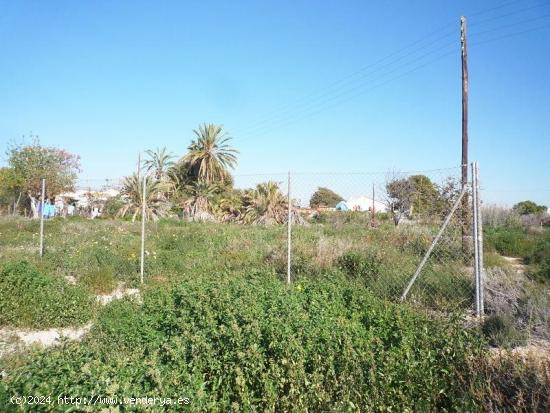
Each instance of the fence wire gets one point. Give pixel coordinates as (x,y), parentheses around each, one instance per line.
(377,227)
(374,227)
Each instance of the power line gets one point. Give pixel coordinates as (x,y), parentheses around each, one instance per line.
(494,39)
(355,83)
(321,92)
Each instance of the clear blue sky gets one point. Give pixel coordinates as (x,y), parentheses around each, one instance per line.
(106,80)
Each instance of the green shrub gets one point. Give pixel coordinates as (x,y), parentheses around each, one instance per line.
(360,266)
(251,343)
(112,206)
(501,331)
(509,241)
(29,298)
(493,259)
(540,258)
(100,281)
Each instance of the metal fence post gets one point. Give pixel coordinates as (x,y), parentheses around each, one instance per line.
(143,227)
(42,217)
(289,232)
(479,241)
(475,232)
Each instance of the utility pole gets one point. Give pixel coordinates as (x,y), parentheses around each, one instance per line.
(138,166)
(465,202)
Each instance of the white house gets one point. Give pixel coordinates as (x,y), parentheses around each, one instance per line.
(363,203)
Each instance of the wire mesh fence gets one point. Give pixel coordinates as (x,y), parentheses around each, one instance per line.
(380,229)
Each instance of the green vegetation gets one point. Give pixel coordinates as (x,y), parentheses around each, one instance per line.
(529,207)
(21,181)
(217,323)
(324,197)
(501,331)
(247,342)
(511,241)
(29,298)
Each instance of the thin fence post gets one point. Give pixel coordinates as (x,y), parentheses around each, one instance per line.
(289,232)
(42,217)
(475,229)
(143,228)
(479,242)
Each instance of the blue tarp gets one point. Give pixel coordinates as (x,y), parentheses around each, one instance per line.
(342,206)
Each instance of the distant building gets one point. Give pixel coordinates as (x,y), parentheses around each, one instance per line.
(361,203)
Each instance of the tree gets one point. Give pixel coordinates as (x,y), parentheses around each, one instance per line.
(324,197)
(399,198)
(413,195)
(265,205)
(197,205)
(424,194)
(209,156)
(132,194)
(10,188)
(159,162)
(33,162)
(529,207)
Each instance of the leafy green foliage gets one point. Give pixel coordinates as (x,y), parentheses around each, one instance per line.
(33,162)
(360,266)
(509,241)
(540,258)
(501,331)
(529,207)
(249,343)
(29,298)
(209,155)
(324,197)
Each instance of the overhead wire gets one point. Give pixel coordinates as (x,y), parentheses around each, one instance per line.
(355,82)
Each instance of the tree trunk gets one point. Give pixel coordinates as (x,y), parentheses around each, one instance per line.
(34,206)
(16,204)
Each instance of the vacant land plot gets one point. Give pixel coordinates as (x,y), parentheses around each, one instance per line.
(215,323)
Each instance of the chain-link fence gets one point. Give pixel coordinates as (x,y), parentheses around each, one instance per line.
(407,236)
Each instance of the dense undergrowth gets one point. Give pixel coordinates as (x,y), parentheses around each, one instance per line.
(29,298)
(247,342)
(218,325)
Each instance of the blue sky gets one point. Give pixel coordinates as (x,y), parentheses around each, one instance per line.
(300,85)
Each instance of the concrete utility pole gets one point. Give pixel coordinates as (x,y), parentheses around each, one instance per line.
(464,163)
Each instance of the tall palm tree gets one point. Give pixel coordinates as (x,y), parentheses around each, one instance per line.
(132,191)
(209,156)
(159,162)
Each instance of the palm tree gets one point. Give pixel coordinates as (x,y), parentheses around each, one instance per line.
(132,192)
(266,205)
(209,156)
(159,162)
(230,207)
(197,205)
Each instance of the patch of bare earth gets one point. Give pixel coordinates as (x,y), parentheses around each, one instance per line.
(15,339)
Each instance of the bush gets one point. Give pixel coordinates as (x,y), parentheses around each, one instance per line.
(509,241)
(112,206)
(540,258)
(100,281)
(250,343)
(501,331)
(29,298)
(360,266)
